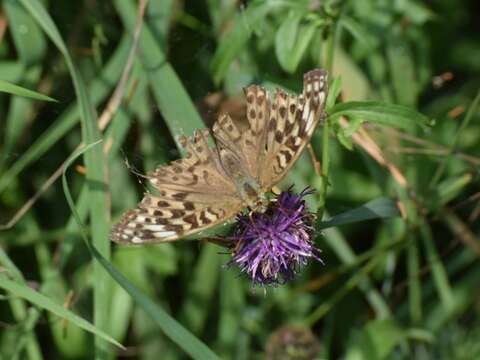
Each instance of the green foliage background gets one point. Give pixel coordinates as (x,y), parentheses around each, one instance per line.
(407,78)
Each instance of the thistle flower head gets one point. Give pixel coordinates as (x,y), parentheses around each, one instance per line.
(271,246)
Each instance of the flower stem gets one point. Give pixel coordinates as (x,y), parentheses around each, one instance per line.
(325,170)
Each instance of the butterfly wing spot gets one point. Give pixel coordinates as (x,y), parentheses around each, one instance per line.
(136,227)
(225,130)
(282,159)
(165,234)
(293,108)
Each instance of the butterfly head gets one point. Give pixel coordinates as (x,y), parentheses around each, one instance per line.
(261,204)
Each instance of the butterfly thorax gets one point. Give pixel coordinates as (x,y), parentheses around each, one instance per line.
(248,188)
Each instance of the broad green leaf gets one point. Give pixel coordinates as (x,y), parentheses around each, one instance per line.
(380,208)
(381,113)
(292,39)
(285,40)
(416,11)
(358,31)
(232,42)
(13,89)
(403,72)
(334,90)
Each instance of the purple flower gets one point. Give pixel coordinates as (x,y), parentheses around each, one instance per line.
(271,246)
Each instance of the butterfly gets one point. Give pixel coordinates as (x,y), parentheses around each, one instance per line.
(211,185)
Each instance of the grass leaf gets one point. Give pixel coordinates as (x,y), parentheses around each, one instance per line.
(376,209)
(46,303)
(381,113)
(174,330)
(96,170)
(13,89)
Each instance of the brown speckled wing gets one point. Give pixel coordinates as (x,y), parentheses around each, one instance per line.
(193,194)
(292,121)
(211,185)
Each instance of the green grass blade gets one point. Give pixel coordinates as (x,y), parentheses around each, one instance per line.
(380,208)
(439,273)
(40,300)
(19,116)
(465,291)
(339,245)
(414,285)
(70,341)
(354,281)
(174,330)
(27,335)
(170,95)
(19,307)
(10,266)
(96,173)
(201,291)
(13,89)
(466,120)
(69,118)
(28,39)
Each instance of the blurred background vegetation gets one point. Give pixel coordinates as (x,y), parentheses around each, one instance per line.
(400,288)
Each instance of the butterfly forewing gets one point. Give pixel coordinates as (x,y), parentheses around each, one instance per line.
(193,194)
(211,185)
(291,125)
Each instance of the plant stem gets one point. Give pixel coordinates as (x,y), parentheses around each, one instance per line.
(325,171)
(326,130)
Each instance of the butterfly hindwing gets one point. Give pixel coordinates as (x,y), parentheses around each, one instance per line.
(160,219)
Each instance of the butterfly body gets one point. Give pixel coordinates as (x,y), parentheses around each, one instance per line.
(210,185)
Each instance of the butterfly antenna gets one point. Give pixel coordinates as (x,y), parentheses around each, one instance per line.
(134,171)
